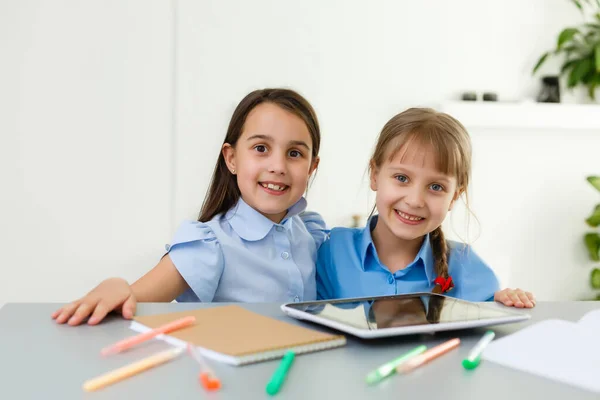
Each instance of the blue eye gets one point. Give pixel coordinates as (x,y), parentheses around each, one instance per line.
(295,153)
(401,178)
(260,148)
(436,187)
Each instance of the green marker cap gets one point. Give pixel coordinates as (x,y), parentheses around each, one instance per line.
(471,364)
(474,358)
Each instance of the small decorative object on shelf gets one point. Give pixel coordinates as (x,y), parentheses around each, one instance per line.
(469,96)
(355,221)
(550,92)
(489,96)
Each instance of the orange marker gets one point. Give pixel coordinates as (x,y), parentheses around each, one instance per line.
(134,340)
(427,356)
(207,377)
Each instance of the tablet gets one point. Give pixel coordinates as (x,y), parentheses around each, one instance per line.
(404,314)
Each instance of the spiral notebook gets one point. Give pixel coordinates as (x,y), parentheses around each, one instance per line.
(237,336)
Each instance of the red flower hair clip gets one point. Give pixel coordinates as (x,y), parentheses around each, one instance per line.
(445,284)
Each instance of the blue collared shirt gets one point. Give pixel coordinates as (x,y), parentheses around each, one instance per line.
(242,256)
(348,266)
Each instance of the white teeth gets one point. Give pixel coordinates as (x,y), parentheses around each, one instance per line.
(408,217)
(273,187)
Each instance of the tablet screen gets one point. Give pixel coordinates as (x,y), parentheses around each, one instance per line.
(400,310)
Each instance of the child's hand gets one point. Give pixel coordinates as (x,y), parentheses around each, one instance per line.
(111,294)
(515,298)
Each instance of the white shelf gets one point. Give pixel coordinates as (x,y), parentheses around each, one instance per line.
(524,115)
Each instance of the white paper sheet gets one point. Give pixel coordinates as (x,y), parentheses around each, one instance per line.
(564,351)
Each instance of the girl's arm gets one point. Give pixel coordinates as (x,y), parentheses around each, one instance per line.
(162,284)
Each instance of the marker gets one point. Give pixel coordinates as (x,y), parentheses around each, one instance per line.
(142,337)
(388,368)
(207,377)
(132,369)
(428,356)
(280,373)
(474,358)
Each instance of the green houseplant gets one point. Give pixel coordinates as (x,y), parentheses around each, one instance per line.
(580,48)
(592,239)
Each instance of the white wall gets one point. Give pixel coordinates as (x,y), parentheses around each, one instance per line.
(358,64)
(113,113)
(86,122)
(531,197)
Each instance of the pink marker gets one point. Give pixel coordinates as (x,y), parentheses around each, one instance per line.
(134,340)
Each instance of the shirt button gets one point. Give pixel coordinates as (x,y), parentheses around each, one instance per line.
(391,279)
(296,299)
(285,255)
(167,247)
(279,228)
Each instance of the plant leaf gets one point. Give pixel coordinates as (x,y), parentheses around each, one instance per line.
(571,48)
(568,65)
(594,219)
(589,78)
(592,244)
(595,278)
(579,51)
(579,71)
(597,57)
(589,37)
(594,181)
(592,86)
(592,90)
(577,4)
(565,36)
(593,25)
(540,62)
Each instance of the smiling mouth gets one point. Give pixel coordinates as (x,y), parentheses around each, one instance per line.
(275,187)
(409,217)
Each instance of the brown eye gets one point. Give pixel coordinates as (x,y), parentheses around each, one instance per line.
(260,148)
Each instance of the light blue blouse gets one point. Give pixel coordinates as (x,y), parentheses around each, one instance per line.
(242,256)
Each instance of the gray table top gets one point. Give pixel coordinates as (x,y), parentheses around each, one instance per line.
(40,359)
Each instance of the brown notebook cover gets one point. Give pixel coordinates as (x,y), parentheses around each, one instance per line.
(238,336)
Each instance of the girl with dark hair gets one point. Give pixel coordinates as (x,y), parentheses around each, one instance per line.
(253,241)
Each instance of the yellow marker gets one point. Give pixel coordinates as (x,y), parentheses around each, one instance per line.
(129,370)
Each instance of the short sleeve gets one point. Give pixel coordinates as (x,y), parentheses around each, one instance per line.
(478,282)
(324,285)
(197,255)
(316,226)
